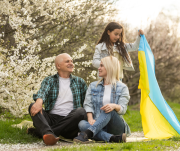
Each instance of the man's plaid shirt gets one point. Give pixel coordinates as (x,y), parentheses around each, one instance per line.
(50,89)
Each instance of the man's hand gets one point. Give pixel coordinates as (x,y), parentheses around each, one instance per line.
(37,107)
(108,107)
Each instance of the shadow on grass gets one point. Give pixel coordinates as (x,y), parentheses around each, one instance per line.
(175,138)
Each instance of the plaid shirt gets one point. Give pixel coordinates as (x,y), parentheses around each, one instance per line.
(50,89)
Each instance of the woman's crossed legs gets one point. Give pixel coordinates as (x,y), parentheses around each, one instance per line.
(106,126)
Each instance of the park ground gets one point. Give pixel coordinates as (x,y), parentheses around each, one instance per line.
(16,139)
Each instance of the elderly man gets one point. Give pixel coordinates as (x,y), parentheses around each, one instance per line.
(63,95)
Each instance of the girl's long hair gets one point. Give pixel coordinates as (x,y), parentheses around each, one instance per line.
(112,67)
(120,43)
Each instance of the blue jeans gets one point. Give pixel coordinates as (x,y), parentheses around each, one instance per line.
(106,125)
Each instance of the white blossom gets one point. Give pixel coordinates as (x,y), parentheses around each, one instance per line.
(17,82)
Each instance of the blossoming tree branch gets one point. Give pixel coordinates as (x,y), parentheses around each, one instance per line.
(33,32)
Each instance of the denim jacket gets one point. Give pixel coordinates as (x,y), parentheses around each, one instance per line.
(94,99)
(101,51)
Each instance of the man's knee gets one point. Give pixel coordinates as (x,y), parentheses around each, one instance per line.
(81,113)
(30,107)
(83,125)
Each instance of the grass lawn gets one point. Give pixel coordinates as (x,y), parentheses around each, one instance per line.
(9,134)
(157,145)
(133,118)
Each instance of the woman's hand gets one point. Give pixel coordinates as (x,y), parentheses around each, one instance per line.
(140,32)
(108,107)
(91,121)
(90,118)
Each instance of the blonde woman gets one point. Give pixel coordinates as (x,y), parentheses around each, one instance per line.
(105,102)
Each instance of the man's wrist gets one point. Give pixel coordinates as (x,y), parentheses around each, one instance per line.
(39,101)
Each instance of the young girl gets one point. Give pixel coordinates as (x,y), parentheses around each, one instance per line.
(112,42)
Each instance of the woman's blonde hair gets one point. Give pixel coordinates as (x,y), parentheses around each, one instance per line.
(112,66)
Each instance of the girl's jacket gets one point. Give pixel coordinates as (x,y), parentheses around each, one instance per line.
(101,51)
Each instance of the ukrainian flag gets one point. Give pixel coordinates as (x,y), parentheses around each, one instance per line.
(158,119)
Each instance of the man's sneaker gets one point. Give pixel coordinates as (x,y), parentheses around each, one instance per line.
(120,138)
(50,139)
(32,131)
(82,138)
(123,138)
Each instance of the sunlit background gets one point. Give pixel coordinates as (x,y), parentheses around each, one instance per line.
(139,13)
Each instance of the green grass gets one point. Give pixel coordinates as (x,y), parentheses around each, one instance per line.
(176,108)
(133,118)
(8,134)
(154,145)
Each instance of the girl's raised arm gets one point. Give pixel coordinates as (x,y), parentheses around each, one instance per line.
(134,46)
